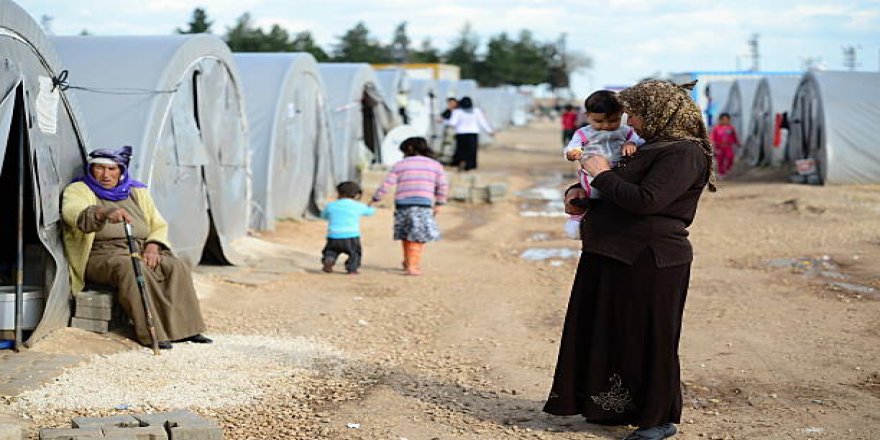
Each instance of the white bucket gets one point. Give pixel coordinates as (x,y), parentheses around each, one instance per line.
(34,303)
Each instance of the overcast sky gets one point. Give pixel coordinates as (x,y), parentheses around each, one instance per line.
(627,39)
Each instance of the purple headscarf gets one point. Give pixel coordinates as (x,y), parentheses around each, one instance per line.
(120,157)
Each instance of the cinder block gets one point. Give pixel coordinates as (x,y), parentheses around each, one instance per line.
(93,325)
(94,298)
(99,313)
(497,191)
(140,433)
(10,432)
(70,434)
(120,421)
(195,432)
(460,193)
(479,195)
(178,417)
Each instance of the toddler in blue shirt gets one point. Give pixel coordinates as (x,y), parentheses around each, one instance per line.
(344,227)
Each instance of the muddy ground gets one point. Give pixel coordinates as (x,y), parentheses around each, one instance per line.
(781,335)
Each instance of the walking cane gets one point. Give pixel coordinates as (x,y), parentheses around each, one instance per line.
(142,287)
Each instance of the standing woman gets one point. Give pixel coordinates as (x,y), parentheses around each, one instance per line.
(467,121)
(618,357)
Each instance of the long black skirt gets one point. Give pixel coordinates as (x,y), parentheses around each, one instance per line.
(465,151)
(618,357)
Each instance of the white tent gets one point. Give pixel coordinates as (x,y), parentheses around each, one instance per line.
(716,92)
(468,87)
(359,116)
(38,123)
(498,104)
(394,85)
(834,120)
(289,133)
(423,106)
(177,101)
(440,141)
(522,107)
(739,105)
(773,99)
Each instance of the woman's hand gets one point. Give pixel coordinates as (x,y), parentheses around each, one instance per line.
(114,215)
(151,255)
(595,164)
(574,193)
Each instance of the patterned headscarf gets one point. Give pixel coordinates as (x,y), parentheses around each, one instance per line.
(120,157)
(669,114)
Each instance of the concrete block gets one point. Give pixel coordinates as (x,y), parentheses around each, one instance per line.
(195,432)
(180,417)
(10,432)
(70,434)
(156,432)
(460,193)
(119,421)
(497,191)
(95,298)
(99,313)
(479,195)
(93,325)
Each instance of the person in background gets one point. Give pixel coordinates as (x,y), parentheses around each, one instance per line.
(618,356)
(724,141)
(421,188)
(467,121)
(451,104)
(94,208)
(344,228)
(569,121)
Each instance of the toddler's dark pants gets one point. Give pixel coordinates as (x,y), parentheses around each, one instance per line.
(347,246)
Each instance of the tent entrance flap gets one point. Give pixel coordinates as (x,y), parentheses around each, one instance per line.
(371,127)
(25,246)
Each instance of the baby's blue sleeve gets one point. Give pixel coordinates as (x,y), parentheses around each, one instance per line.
(368,211)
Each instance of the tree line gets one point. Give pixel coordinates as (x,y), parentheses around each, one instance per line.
(507,59)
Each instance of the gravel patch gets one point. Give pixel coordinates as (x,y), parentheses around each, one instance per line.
(233,371)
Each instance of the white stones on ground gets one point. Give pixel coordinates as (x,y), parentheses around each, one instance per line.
(233,371)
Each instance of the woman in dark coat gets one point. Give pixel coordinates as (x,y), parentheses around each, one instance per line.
(618,357)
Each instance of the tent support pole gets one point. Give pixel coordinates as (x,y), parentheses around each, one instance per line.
(19,241)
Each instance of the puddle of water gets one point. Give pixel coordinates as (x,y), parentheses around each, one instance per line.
(541,254)
(541,193)
(854,288)
(539,236)
(554,208)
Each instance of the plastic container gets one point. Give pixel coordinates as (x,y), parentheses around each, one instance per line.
(32,308)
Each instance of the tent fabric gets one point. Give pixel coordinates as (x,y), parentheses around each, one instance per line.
(719,91)
(177,101)
(834,120)
(738,106)
(423,106)
(394,86)
(444,89)
(289,135)
(773,97)
(352,93)
(57,143)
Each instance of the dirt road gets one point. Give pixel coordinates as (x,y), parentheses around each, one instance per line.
(771,348)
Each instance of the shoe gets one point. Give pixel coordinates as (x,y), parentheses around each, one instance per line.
(165,345)
(328,266)
(353,272)
(199,339)
(658,432)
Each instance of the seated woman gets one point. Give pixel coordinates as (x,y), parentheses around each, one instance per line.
(94,208)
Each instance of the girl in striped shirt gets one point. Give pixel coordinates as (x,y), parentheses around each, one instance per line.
(421,188)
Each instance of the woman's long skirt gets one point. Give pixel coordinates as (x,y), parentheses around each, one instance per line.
(176,311)
(465,151)
(618,357)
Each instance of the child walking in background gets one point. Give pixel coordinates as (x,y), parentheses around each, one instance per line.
(606,136)
(569,123)
(724,140)
(344,228)
(421,189)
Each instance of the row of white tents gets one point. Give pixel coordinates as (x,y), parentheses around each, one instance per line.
(225,142)
(831,119)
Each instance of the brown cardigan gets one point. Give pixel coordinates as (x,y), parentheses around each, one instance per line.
(648,201)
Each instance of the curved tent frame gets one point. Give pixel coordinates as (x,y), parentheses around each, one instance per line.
(394,86)
(289,133)
(423,106)
(833,120)
(773,97)
(177,100)
(44,121)
(738,106)
(359,116)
